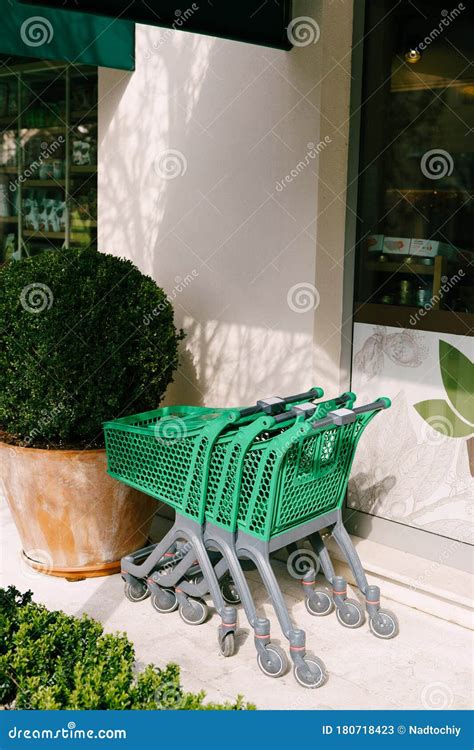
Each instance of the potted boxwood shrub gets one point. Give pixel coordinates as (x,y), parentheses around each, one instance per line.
(85,337)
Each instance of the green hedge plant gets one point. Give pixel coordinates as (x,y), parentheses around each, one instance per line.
(85,337)
(50,660)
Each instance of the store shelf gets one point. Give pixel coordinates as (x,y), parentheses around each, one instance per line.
(429,191)
(440,321)
(83,170)
(40,66)
(84,114)
(40,235)
(46,121)
(47,128)
(91,224)
(45,183)
(390,267)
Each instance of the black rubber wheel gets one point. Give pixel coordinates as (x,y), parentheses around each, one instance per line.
(164,602)
(194,611)
(320,603)
(229,592)
(136,591)
(354,617)
(384,625)
(314,676)
(227,645)
(275,664)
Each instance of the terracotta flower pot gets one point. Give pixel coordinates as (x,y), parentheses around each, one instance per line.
(73,519)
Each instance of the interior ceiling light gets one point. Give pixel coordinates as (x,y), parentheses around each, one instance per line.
(412,56)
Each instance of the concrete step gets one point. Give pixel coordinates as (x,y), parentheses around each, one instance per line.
(426,585)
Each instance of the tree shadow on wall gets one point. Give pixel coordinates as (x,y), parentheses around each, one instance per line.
(184,185)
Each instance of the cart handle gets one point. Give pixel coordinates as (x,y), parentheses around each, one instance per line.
(346,416)
(275,405)
(307,409)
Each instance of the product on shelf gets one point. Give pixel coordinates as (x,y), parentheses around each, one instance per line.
(9,247)
(52,217)
(421,248)
(375,243)
(432,248)
(83,153)
(4,201)
(397,245)
(30,213)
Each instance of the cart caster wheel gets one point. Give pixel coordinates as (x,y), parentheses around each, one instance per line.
(164,602)
(354,617)
(136,591)
(229,592)
(313,676)
(227,645)
(320,603)
(194,611)
(384,624)
(274,663)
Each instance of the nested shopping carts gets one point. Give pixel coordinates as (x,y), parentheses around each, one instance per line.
(246,483)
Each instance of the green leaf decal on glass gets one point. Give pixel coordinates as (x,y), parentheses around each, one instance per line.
(439,415)
(457,372)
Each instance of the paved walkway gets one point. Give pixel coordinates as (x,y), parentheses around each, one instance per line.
(427,666)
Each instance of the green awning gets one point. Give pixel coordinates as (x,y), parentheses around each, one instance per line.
(255,21)
(28,31)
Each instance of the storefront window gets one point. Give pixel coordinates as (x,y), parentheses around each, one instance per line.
(416,213)
(48,157)
(411,482)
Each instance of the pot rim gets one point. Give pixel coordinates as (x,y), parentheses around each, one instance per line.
(51,451)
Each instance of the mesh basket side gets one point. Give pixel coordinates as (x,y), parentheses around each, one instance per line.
(157,467)
(315,476)
(195,483)
(258,473)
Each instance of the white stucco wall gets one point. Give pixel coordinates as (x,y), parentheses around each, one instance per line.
(239,256)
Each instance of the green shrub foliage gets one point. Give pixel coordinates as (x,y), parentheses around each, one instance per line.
(85,337)
(50,660)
